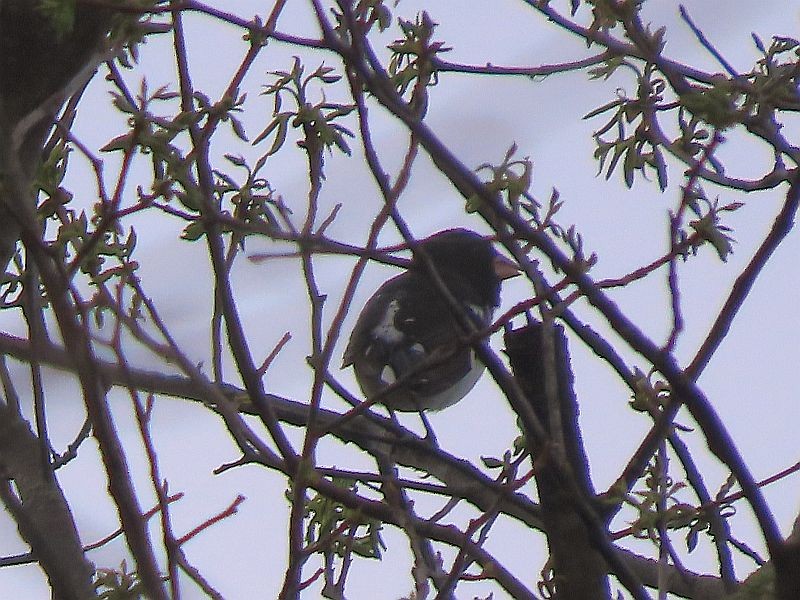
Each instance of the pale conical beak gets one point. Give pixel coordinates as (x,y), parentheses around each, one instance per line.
(505,268)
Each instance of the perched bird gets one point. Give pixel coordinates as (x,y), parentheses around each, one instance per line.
(408,331)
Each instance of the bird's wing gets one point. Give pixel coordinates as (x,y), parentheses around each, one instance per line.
(404,324)
(371,316)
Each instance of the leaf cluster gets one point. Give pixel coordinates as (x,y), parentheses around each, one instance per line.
(365,14)
(333,527)
(637,150)
(318,120)
(708,224)
(118,584)
(413,59)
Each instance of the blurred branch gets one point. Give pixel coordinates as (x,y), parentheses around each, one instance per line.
(205,186)
(540,71)
(32,495)
(72,325)
(781,227)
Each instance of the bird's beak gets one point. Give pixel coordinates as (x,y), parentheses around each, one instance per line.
(505,268)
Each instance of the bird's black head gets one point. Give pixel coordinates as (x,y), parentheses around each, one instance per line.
(463,255)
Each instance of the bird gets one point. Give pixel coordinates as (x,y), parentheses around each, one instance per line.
(409,337)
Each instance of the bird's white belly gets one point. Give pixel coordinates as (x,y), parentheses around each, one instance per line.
(460,389)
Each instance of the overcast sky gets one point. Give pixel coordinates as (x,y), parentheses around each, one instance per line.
(750,382)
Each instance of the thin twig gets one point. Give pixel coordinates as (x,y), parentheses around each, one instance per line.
(706,43)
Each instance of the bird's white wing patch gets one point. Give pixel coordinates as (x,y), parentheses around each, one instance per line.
(387,375)
(386,330)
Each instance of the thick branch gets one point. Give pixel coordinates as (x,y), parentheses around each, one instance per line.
(40,510)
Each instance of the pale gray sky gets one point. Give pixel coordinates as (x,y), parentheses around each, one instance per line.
(750,381)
